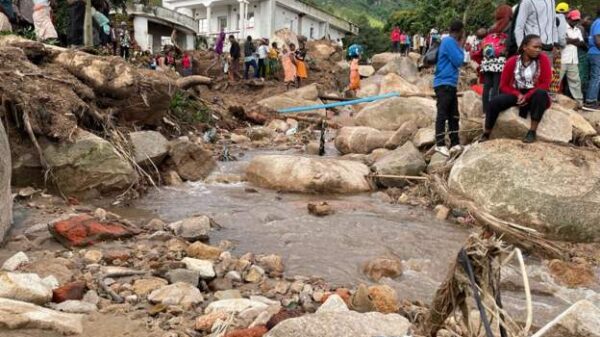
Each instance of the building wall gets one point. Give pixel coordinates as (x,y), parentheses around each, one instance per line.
(286,18)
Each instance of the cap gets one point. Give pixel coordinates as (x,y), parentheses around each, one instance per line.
(574,15)
(123,23)
(562,7)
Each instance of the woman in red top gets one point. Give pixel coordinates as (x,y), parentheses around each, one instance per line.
(186,65)
(525,83)
(395,37)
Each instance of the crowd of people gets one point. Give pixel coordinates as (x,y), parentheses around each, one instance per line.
(533,52)
(404,43)
(261,60)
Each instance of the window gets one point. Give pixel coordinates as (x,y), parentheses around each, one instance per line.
(222,20)
(250,22)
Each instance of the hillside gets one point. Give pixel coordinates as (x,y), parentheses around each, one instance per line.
(376,11)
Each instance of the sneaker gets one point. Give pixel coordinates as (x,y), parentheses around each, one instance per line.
(530,137)
(443,150)
(591,105)
(456,149)
(484,138)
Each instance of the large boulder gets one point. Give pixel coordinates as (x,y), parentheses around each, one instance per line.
(389,114)
(402,135)
(308,175)
(405,161)
(190,160)
(89,163)
(403,67)
(580,320)
(555,126)
(380,60)
(394,83)
(472,116)
(360,139)
(581,127)
(5,193)
(308,92)
(149,147)
(24,287)
(22,315)
(342,324)
(285,101)
(366,71)
(547,187)
(370,86)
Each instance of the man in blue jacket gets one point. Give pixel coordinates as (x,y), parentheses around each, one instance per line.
(451,57)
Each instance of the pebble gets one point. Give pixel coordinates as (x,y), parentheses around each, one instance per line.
(297,287)
(91,297)
(334,303)
(76,307)
(227,294)
(254,275)
(203,251)
(442,212)
(234,276)
(184,275)
(15,261)
(204,267)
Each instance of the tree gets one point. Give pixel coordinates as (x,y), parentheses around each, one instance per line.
(373,39)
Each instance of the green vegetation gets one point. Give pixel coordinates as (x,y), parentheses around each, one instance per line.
(187,110)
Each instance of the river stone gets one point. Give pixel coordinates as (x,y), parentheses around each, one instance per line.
(384,298)
(424,137)
(149,147)
(342,324)
(405,160)
(360,139)
(334,303)
(582,319)
(380,60)
(234,305)
(184,275)
(5,192)
(204,267)
(393,83)
(308,175)
(76,307)
(21,315)
(191,161)
(544,186)
(555,126)
(192,229)
(14,262)
(143,287)
(89,163)
(278,125)
(24,287)
(403,67)
(472,116)
(200,250)
(56,267)
(183,294)
(381,267)
(389,114)
(366,71)
(402,135)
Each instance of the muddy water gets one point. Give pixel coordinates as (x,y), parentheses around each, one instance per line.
(335,247)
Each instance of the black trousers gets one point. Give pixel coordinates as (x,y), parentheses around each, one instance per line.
(262,68)
(447,111)
(125,52)
(77,16)
(491,88)
(538,104)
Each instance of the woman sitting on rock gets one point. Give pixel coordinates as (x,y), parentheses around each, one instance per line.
(525,83)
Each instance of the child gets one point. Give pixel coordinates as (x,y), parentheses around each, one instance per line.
(354,68)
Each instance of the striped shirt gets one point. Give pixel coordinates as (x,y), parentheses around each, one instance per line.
(537,17)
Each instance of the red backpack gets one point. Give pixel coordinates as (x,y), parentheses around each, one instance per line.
(494,45)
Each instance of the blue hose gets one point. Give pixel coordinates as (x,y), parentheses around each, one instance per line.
(336,104)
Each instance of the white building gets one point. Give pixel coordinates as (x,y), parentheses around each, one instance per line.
(261,18)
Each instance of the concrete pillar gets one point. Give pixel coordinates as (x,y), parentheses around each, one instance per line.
(300,16)
(208,19)
(190,41)
(140,32)
(243,14)
(270,24)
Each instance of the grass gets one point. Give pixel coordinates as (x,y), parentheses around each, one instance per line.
(188,110)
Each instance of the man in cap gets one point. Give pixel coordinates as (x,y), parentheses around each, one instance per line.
(570,56)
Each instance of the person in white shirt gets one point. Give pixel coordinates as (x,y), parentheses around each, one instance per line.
(263,51)
(570,57)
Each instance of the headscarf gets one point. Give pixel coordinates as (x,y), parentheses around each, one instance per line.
(503,16)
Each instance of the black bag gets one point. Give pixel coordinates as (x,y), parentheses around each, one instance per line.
(511,44)
(431,57)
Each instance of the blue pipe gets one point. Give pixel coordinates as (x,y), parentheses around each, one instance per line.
(336,104)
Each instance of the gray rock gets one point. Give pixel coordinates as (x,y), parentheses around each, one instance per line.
(342,324)
(76,307)
(360,139)
(390,114)
(424,137)
(90,163)
(405,160)
(17,315)
(191,161)
(402,135)
(582,319)
(544,186)
(437,161)
(205,268)
(91,297)
(228,294)
(183,294)
(5,192)
(308,175)
(184,275)
(334,303)
(555,126)
(149,147)
(14,262)
(193,229)
(471,117)
(403,67)
(24,287)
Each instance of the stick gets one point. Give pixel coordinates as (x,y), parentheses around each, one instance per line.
(527,293)
(389,176)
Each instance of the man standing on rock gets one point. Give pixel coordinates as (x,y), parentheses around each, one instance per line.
(594,59)
(234,56)
(451,57)
(570,56)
